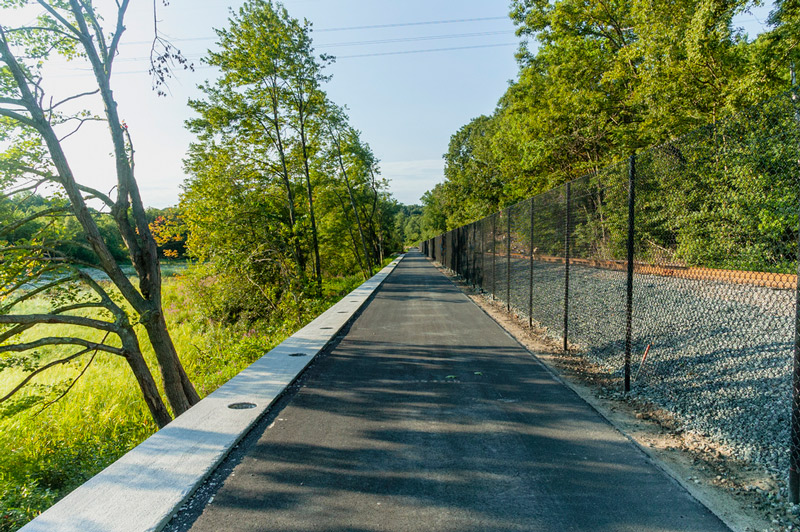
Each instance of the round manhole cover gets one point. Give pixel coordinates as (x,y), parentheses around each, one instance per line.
(241,406)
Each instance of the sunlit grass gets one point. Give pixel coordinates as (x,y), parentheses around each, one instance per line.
(44,454)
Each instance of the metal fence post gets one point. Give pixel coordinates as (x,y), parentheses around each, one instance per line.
(474,263)
(508,259)
(494,255)
(794,444)
(463,263)
(457,252)
(530,271)
(567,223)
(629,288)
(483,253)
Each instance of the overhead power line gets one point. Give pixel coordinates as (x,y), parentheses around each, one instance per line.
(401,24)
(360,43)
(412,39)
(428,50)
(374,26)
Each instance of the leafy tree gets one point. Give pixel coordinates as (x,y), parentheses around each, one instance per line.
(169,231)
(266,137)
(268,97)
(34,123)
(605,79)
(237,218)
(473,181)
(354,163)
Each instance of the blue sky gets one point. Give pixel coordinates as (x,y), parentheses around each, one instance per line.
(406,104)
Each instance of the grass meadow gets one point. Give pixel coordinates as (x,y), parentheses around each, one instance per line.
(45,453)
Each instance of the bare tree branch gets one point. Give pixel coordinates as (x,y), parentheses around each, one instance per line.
(97,194)
(33,187)
(80,321)
(74,97)
(112,49)
(78,306)
(13,101)
(19,223)
(63,340)
(41,28)
(24,327)
(22,119)
(35,291)
(81,121)
(37,371)
(23,282)
(65,392)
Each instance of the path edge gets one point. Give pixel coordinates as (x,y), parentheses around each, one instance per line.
(732,520)
(143,489)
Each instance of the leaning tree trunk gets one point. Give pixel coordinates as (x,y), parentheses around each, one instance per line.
(315,240)
(179,389)
(355,208)
(147,384)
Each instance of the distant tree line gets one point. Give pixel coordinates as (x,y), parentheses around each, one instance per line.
(599,80)
(283,191)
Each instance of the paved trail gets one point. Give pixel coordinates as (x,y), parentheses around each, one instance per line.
(429,417)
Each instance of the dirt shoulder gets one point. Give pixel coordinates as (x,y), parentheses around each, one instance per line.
(743,495)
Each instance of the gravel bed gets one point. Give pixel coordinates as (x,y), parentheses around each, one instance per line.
(720,358)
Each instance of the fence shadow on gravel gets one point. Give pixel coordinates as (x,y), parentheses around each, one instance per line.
(675,271)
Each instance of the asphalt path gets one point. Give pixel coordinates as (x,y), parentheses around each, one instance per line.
(427,416)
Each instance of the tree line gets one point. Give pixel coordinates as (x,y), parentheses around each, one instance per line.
(283,191)
(282,194)
(600,80)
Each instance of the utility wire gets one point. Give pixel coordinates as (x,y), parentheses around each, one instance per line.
(405,52)
(400,24)
(412,39)
(427,51)
(360,43)
(374,26)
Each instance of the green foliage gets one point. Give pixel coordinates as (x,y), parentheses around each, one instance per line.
(269,147)
(43,457)
(606,79)
(60,230)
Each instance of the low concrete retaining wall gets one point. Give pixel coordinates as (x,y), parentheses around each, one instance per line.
(142,490)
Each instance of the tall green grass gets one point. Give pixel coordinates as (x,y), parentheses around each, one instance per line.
(44,454)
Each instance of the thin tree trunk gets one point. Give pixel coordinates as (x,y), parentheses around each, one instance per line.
(315,240)
(355,209)
(352,236)
(298,254)
(147,384)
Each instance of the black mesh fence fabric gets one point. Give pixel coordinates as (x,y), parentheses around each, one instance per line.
(715,291)
(519,257)
(705,313)
(598,260)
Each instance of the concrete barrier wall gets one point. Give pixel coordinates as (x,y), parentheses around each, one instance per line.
(144,488)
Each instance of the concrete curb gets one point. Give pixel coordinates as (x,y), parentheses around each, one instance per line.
(144,488)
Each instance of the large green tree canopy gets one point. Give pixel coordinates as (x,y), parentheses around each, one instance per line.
(599,79)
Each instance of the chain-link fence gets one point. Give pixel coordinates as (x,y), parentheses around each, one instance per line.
(674,271)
